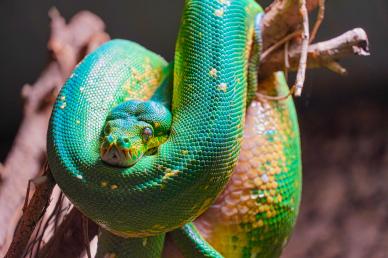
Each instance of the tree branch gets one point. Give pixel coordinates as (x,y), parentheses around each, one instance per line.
(282,17)
(321,15)
(69,234)
(32,214)
(68,44)
(322,54)
(300,76)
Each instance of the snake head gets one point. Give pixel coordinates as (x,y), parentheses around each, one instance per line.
(134,129)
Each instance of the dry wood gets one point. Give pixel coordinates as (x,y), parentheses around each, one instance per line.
(32,214)
(68,44)
(300,76)
(282,17)
(322,54)
(278,44)
(318,22)
(69,238)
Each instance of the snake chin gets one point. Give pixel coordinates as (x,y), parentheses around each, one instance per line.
(122,150)
(119,157)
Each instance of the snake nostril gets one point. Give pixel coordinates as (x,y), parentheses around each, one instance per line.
(124,140)
(109,139)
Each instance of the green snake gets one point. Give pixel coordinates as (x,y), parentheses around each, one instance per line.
(140,171)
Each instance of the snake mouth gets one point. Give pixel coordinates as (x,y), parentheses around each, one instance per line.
(116,156)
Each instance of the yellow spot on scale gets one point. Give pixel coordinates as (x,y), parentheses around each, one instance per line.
(185,152)
(144,241)
(114,187)
(104,183)
(63,105)
(258,223)
(78,122)
(219,12)
(257,181)
(170,173)
(62,98)
(223,87)
(213,72)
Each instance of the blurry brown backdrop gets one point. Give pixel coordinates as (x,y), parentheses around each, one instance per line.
(344,120)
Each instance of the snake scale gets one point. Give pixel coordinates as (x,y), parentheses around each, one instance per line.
(140,171)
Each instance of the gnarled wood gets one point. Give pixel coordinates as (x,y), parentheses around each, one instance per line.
(68,44)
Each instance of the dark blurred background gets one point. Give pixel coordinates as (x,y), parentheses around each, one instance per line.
(344,120)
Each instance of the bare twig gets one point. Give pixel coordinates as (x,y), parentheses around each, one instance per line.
(300,76)
(27,198)
(31,216)
(69,234)
(286,60)
(337,68)
(262,96)
(322,54)
(35,247)
(278,44)
(282,18)
(318,22)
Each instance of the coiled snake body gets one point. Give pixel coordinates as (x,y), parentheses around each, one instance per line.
(167,185)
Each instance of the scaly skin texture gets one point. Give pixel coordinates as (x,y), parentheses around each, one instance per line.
(255,214)
(163,191)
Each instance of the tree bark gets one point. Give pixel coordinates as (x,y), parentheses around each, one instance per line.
(32,214)
(322,54)
(68,44)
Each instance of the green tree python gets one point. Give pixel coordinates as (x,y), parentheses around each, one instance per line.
(140,171)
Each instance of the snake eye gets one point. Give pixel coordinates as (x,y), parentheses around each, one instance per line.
(147,134)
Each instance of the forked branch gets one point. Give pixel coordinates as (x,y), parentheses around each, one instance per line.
(322,54)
